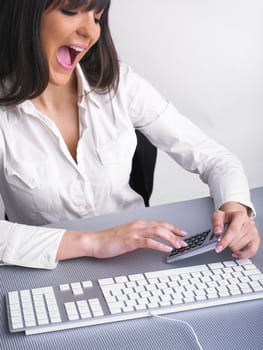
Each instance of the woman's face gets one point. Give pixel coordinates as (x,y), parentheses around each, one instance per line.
(66,37)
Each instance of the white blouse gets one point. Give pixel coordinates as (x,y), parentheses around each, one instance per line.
(41,183)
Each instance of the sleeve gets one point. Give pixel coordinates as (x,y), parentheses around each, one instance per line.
(167,129)
(23,245)
(196,152)
(29,246)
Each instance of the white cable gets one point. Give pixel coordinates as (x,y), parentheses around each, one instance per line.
(184,323)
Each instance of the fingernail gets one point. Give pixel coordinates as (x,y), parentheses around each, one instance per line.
(235,256)
(219,248)
(217,229)
(184,233)
(168,249)
(184,244)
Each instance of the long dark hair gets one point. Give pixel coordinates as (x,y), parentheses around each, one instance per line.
(24,72)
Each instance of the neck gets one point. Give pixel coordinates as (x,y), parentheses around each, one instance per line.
(53,95)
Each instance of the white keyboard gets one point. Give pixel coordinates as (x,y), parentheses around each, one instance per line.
(86,303)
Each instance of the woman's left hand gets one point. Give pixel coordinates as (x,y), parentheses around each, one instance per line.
(241,235)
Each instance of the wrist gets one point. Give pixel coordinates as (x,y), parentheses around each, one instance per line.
(74,244)
(87,243)
(235,206)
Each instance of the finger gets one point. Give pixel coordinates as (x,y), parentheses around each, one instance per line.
(164,234)
(225,241)
(239,243)
(234,231)
(251,246)
(218,222)
(155,245)
(175,229)
(241,234)
(249,251)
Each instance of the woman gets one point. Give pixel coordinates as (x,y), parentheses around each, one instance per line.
(68,114)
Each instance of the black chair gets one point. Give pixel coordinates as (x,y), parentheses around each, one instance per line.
(143,165)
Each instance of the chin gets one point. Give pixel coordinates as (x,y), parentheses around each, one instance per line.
(61,79)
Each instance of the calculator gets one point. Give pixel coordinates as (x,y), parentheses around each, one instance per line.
(200,243)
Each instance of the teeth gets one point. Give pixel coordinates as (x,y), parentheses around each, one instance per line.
(79,49)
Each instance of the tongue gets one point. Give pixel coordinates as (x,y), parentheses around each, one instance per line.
(63,55)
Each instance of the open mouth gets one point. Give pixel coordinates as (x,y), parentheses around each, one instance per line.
(66,55)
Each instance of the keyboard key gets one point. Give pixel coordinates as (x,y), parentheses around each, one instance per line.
(64,287)
(75,304)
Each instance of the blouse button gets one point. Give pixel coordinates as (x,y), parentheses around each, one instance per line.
(81,178)
(88,207)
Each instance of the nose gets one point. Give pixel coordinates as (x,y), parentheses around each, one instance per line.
(88,27)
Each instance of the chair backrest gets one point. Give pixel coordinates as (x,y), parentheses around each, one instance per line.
(143,165)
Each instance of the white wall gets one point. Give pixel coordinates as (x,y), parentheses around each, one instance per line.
(206,56)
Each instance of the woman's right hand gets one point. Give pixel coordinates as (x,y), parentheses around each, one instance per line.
(131,236)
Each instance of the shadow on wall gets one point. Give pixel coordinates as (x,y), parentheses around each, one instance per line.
(2,209)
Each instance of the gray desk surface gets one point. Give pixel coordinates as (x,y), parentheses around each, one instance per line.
(236,326)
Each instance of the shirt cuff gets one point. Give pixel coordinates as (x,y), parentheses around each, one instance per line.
(31,246)
(247,203)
